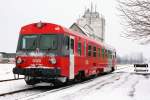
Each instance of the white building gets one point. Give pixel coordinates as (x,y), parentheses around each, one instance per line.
(1,56)
(91,24)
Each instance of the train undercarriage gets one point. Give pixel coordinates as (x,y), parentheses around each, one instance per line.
(36,76)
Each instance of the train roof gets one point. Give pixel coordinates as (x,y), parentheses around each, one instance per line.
(46,28)
(42,27)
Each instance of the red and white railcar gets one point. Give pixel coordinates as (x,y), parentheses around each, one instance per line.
(48,52)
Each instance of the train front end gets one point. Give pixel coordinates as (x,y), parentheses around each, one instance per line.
(40,55)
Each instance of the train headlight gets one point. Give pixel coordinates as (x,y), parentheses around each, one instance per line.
(19,61)
(53,60)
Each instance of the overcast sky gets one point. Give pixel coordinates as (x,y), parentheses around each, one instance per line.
(16,13)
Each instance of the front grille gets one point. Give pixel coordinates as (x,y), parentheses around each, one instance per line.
(37,72)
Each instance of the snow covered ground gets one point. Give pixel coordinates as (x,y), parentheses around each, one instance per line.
(123,84)
(6,71)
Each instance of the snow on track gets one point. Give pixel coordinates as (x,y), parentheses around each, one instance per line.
(10,86)
(77,90)
(123,84)
(6,71)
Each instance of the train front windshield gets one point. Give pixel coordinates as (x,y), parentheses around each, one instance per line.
(42,42)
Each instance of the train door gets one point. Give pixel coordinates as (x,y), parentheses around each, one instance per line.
(71,57)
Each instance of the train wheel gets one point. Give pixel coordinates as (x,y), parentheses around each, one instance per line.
(97,73)
(80,77)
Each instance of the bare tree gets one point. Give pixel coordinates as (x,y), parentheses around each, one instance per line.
(136,19)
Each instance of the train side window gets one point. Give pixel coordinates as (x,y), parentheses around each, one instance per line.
(79,48)
(103,52)
(98,52)
(89,50)
(84,48)
(94,51)
(106,53)
(67,42)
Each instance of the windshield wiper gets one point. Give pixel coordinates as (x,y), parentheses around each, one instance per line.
(33,46)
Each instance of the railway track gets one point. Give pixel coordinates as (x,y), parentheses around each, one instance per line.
(17,91)
(10,80)
(74,84)
(50,89)
(46,88)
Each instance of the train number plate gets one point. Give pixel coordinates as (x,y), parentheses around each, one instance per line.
(36,60)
